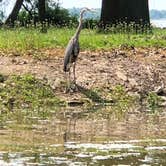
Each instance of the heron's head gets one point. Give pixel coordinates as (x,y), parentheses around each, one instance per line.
(85,10)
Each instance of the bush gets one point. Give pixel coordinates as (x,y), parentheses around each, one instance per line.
(55,15)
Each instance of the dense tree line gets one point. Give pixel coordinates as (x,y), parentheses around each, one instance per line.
(73,13)
(156,14)
(49,12)
(32,12)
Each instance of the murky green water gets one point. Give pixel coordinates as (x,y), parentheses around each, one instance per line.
(80,137)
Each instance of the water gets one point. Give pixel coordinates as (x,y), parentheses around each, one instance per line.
(75,136)
(159,23)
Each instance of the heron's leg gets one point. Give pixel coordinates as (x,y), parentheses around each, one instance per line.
(68,81)
(75,88)
(74,72)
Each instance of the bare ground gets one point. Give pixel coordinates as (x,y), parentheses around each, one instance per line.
(140,70)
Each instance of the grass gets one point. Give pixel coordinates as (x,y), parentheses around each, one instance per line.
(20,92)
(21,39)
(153,101)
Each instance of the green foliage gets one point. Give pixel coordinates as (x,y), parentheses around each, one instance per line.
(127,28)
(21,39)
(24,18)
(55,15)
(1,16)
(89,15)
(122,100)
(153,100)
(25,92)
(59,16)
(156,14)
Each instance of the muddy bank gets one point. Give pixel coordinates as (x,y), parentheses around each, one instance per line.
(139,70)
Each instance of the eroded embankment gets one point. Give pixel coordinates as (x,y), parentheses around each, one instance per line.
(101,75)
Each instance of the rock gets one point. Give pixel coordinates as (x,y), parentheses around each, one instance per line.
(160,90)
(75,103)
(121,75)
(13,60)
(163,101)
(23,62)
(163,104)
(134,94)
(163,56)
(132,82)
(163,98)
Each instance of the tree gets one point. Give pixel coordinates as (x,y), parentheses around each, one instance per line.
(128,11)
(42,10)
(42,14)
(13,15)
(1,15)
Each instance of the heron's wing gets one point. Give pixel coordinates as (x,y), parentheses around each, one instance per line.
(68,54)
(69,47)
(71,53)
(76,48)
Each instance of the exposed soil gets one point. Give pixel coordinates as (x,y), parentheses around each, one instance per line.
(140,70)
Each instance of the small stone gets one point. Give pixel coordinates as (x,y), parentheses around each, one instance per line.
(163,56)
(14,60)
(132,82)
(163,98)
(121,75)
(161,91)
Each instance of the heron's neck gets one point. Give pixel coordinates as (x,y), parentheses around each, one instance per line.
(78,29)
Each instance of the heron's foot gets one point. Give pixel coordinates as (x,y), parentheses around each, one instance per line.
(73,88)
(67,90)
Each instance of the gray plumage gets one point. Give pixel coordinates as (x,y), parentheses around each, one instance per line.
(73,49)
(71,53)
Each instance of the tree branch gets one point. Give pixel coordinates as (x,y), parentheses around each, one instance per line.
(29,11)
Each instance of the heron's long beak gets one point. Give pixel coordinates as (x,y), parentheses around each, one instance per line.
(93,11)
(90,10)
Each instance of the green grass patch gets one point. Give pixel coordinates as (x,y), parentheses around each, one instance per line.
(114,101)
(21,39)
(25,92)
(153,101)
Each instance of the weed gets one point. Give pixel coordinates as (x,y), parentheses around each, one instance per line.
(153,100)
(123,101)
(21,39)
(26,92)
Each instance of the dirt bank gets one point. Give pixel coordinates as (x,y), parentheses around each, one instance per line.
(139,70)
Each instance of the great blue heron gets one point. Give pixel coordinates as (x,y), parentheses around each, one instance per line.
(73,49)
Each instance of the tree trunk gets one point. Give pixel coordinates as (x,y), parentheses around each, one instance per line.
(109,12)
(42,10)
(13,15)
(128,11)
(42,13)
